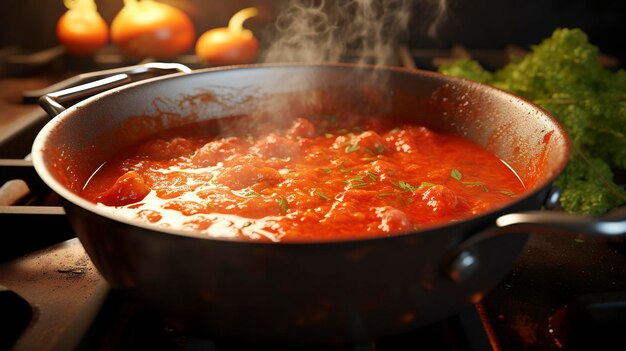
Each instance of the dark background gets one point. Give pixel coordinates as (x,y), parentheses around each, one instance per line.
(493,24)
(476,24)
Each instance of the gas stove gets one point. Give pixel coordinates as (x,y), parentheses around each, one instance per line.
(564,291)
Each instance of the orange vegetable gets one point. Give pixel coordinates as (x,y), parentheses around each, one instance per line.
(151,29)
(229,45)
(81,29)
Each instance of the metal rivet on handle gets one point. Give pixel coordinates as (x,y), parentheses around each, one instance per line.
(463,266)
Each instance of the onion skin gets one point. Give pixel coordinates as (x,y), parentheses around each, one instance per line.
(232,45)
(151,29)
(81,29)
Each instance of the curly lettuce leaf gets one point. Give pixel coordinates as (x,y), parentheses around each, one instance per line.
(562,74)
(468,69)
(584,189)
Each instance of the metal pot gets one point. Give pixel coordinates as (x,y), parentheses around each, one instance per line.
(317,292)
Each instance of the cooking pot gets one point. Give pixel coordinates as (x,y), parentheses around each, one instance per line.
(313,292)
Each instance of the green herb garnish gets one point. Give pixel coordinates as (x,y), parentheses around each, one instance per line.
(250,193)
(456,174)
(371,175)
(477,184)
(351,148)
(386,194)
(356,182)
(320,194)
(507,192)
(406,186)
(282,203)
(341,169)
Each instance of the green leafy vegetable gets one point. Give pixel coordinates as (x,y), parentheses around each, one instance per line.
(562,74)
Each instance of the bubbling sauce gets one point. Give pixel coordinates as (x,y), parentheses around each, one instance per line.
(306,179)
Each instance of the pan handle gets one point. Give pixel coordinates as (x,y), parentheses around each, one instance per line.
(88,84)
(463,261)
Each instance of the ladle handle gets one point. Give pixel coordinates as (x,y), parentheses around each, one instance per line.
(89,84)
(463,261)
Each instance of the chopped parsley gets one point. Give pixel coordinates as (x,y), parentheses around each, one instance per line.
(282,203)
(250,193)
(371,175)
(343,170)
(356,182)
(352,148)
(386,194)
(477,184)
(406,186)
(320,194)
(507,193)
(456,174)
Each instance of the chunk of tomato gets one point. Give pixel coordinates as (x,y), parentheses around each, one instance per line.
(127,189)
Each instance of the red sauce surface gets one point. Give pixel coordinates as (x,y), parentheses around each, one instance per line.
(312,179)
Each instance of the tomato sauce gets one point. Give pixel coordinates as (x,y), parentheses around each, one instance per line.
(308,179)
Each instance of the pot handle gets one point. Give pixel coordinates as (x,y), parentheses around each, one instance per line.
(88,84)
(463,261)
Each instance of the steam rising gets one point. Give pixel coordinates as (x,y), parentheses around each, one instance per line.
(439,15)
(366,31)
(356,31)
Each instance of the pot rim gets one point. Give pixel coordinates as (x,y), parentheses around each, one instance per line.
(39,146)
